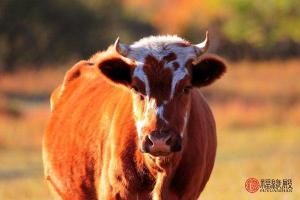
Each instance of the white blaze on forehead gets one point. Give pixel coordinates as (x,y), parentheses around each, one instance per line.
(159,47)
(140,74)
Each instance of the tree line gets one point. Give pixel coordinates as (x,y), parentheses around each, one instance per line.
(34,32)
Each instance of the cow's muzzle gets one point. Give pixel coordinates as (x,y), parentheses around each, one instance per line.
(161,143)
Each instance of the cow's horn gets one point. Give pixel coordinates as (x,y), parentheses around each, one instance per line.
(122,49)
(203,46)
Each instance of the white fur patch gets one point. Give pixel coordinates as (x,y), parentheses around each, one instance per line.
(140,74)
(153,41)
(160,46)
(145,116)
(160,113)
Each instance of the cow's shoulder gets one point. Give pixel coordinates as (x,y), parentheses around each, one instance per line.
(78,75)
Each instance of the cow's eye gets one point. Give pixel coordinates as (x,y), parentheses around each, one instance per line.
(138,92)
(142,97)
(186,89)
(135,89)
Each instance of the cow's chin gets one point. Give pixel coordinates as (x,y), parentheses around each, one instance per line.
(162,160)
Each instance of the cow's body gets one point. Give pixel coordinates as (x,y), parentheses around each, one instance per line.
(91,144)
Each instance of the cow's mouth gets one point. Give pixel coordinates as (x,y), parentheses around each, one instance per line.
(162,161)
(160,154)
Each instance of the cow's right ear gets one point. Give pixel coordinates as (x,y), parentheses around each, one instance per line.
(207,70)
(117,70)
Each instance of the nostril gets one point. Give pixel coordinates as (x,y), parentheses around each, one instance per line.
(148,141)
(176,144)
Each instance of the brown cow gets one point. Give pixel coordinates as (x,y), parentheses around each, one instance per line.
(131,123)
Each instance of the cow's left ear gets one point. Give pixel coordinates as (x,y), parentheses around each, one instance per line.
(117,70)
(207,70)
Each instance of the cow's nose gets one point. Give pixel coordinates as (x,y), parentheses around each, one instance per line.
(161,143)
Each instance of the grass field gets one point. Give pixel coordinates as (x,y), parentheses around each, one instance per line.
(257,109)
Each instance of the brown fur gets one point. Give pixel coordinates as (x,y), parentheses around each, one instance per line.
(90,147)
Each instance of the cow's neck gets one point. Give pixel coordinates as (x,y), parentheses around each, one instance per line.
(161,188)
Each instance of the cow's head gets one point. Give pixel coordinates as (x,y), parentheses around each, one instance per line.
(161,73)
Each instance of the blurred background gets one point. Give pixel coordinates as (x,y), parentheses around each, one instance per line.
(256,103)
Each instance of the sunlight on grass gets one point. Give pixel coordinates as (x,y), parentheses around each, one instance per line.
(21,175)
(267,152)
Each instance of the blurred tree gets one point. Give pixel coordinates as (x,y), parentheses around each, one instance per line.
(263,24)
(263,29)
(252,28)
(37,31)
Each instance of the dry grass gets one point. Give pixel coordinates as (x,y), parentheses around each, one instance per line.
(32,82)
(263,153)
(257,109)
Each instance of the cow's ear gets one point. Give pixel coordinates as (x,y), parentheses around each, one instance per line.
(117,70)
(207,70)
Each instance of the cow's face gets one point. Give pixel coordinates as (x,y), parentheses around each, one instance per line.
(163,72)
